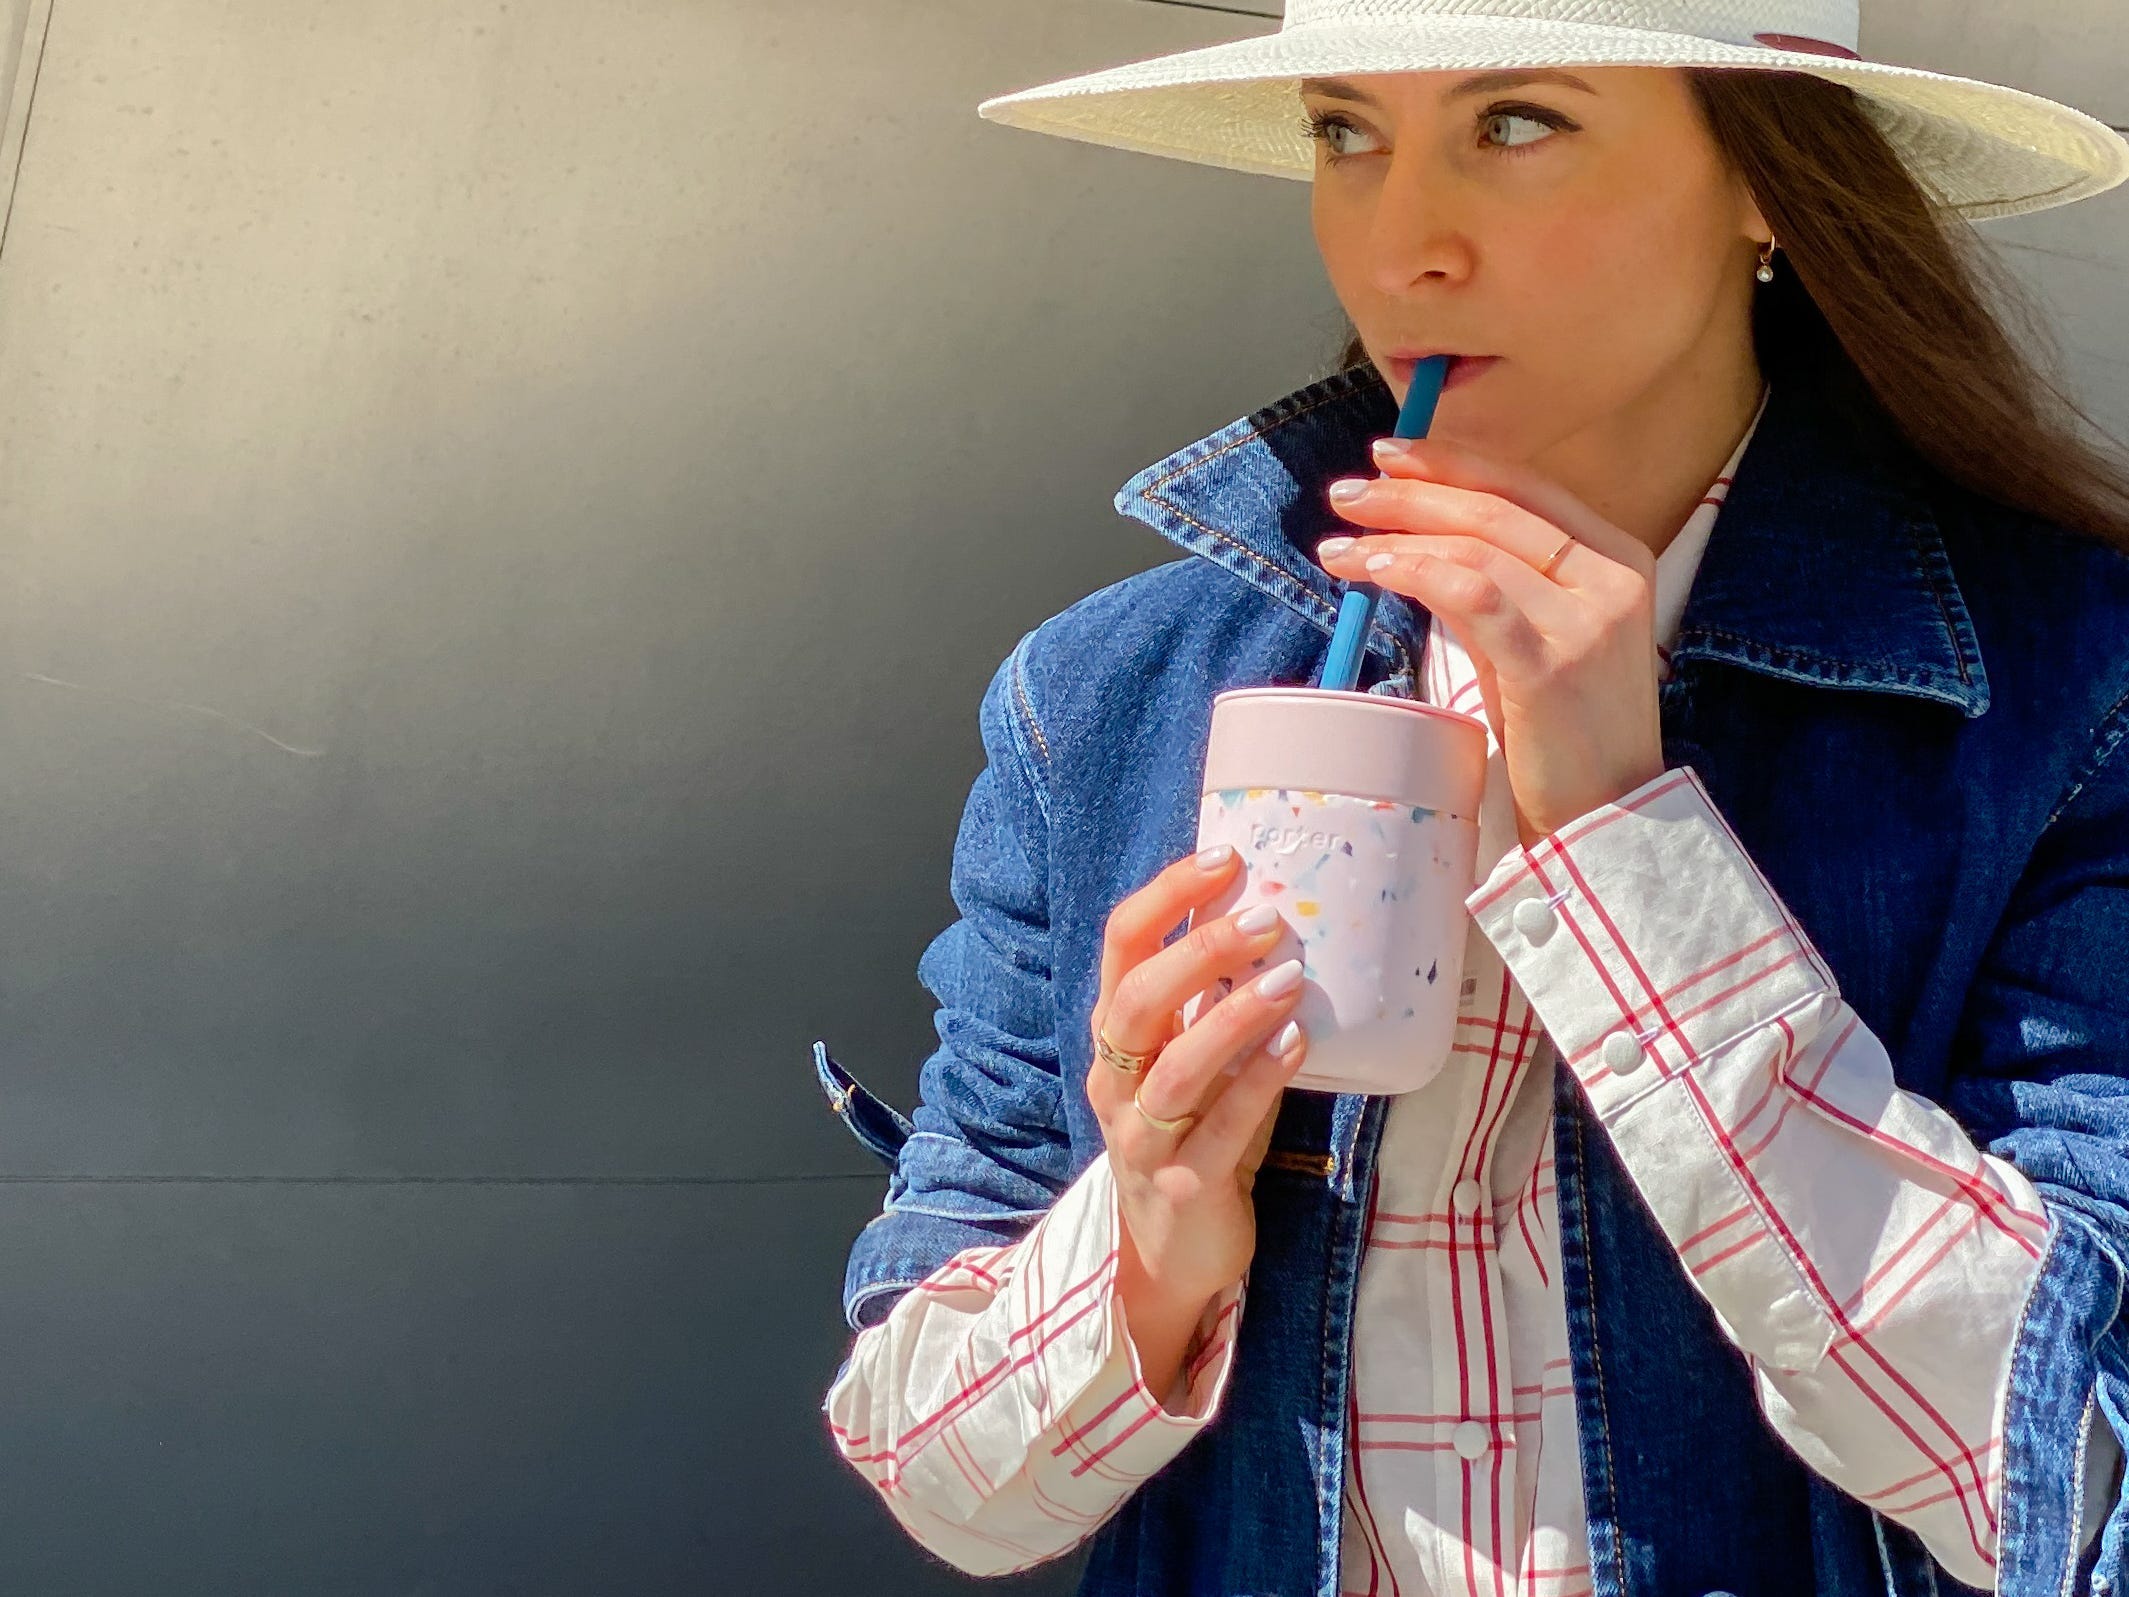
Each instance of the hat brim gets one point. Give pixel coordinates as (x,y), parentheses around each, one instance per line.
(1980,149)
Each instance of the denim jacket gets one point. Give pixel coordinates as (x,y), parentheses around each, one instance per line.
(1965,874)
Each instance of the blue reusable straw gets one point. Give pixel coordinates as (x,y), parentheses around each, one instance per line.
(1356,612)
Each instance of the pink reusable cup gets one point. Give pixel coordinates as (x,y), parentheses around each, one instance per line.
(1356,817)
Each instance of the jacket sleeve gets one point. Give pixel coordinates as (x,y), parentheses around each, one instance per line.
(999,1409)
(986,1151)
(992,1396)
(2044,1080)
(1879,1271)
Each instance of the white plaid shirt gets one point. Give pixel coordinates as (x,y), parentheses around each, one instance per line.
(1867,1260)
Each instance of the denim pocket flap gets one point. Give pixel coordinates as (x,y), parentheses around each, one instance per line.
(870,1118)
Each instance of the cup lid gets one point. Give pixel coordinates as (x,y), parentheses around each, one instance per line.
(1332,740)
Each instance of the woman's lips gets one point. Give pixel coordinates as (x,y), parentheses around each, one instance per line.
(1462,368)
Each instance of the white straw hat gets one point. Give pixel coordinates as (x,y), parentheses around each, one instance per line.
(1981,149)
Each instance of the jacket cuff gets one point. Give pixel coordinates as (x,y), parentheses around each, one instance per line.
(900,1248)
(2069,1368)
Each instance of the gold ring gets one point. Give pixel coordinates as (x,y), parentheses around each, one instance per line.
(1546,569)
(1129,1064)
(1177,1126)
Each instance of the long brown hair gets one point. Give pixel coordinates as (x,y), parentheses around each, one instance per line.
(1895,311)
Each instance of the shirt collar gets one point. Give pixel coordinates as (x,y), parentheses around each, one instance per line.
(1680,560)
(1825,565)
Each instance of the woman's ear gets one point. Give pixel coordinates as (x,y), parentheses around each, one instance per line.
(1754,224)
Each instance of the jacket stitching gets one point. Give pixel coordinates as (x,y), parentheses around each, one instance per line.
(1027,710)
(1248,437)
(2104,745)
(872,1289)
(1929,562)
(1233,543)
(2012,1521)
(1169,505)
(971,1216)
(1777,652)
(2077,1487)
(1153,492)
(2009,1508)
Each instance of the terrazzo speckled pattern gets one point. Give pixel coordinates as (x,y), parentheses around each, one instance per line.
(1371,893)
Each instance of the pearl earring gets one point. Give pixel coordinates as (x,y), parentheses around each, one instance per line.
(1766,264)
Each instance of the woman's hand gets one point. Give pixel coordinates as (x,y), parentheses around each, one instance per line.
(1566,662)
(1189,1227)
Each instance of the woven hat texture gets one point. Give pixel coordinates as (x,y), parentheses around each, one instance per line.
(1981,149)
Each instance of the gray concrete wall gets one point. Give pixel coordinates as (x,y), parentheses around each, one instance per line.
(508,510)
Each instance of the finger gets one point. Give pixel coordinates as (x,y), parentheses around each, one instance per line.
(1238,1123)
(1143,1015)
(1456,465)
(1497,580)
(1487,616)
(1477,531)
(1149,994)
(1140,922)
(1192,1072)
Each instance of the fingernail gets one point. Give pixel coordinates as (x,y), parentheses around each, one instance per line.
(1332,548)
(1377,562)
(1216,856)
(1391,448)
(1346,489)
(1287,1041)
(1261,919)
(1279,979)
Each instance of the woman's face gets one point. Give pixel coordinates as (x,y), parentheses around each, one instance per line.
(1579,225)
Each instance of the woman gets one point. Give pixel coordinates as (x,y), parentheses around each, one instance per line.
(1766,1233)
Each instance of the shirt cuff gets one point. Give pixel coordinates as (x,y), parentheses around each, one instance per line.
(1113,1430)
(1645,937)
(1059,1396)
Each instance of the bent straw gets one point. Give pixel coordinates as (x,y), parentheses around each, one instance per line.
(1356,612)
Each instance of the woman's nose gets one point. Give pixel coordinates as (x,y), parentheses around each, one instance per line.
(1415,258)
(1418,231)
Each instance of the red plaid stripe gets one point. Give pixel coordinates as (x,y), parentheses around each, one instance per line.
(1038,1420)
(1868,1257)
(1869,1260)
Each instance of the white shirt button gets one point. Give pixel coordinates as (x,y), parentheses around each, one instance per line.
(1466,1196)
(1534,919)
(1622,1051)
(1470,1440)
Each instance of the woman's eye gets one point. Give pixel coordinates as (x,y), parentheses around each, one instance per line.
(1499,128)
(1321,125)
(1497,119)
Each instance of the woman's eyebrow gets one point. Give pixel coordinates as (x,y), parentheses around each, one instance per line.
(1335,89)
(1486,82)
(1482,83)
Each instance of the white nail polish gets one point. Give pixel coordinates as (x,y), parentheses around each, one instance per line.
(1288,1039)
(1279,979)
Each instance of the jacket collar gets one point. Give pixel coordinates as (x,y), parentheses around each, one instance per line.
(1825,566)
